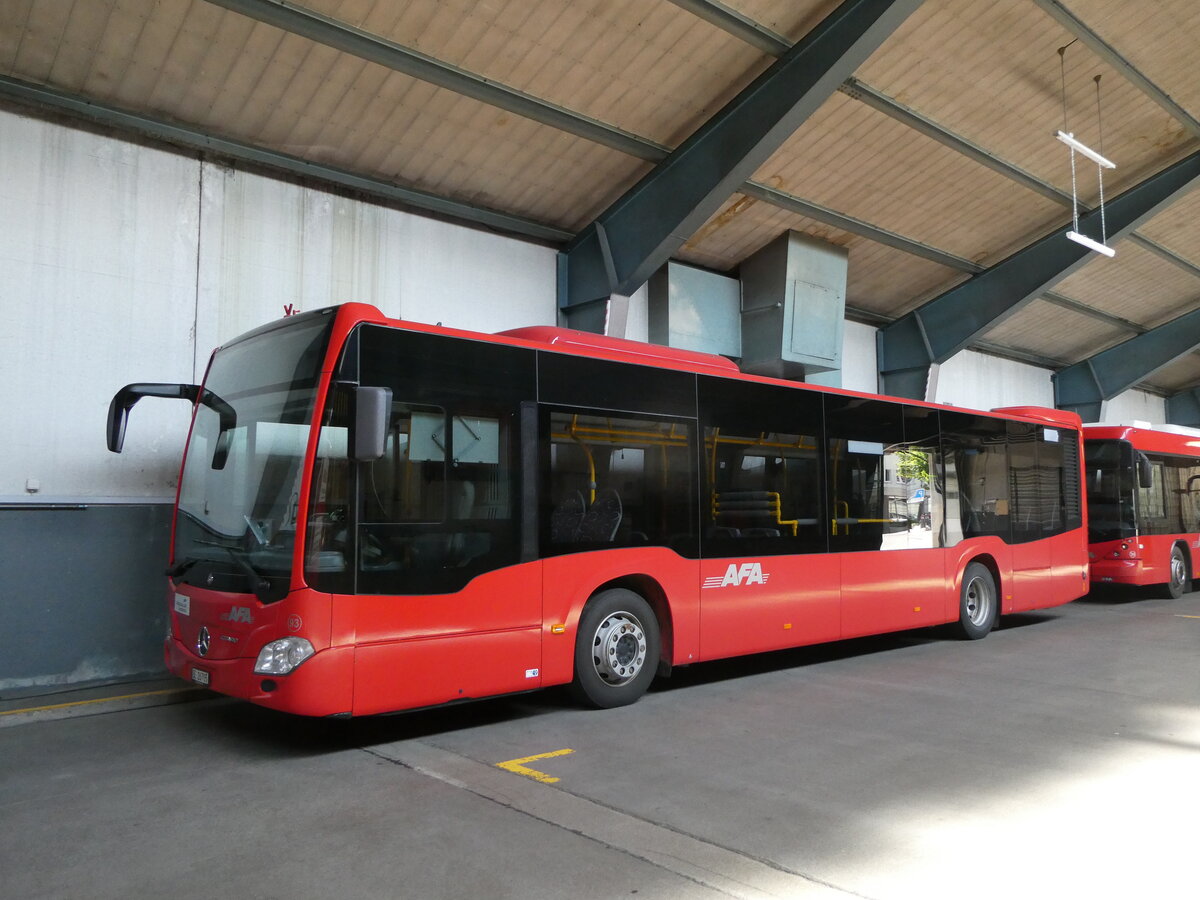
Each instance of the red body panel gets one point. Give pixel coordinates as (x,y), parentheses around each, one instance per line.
(514,629)
(239,626)
(1142,561)
(1146,559)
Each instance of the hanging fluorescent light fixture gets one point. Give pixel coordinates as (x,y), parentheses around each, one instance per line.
(1090,244)
(1102,163)
(1069,140)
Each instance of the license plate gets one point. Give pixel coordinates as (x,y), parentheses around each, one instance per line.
(199,676)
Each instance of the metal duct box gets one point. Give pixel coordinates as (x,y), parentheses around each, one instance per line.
(694,310)
(794,307)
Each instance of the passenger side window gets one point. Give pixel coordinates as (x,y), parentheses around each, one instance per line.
(762,470)
(617,480)
(1043,480)
(436,509)
(976,477)
(885,480)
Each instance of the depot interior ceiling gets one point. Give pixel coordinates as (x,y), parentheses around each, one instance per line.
(935,160)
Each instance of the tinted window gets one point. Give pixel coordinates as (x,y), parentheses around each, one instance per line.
(600,384)
(1169,505)
(441,506)
(1110,490)
(618,481)
(976,477)
(762,463)
(878,480)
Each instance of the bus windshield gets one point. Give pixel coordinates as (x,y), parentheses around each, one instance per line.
(1110,487)
(236,522)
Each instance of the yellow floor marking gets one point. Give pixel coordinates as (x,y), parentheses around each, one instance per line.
(1182,616)
(517,766)
(31,709)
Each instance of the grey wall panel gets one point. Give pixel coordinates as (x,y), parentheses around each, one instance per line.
(82,594)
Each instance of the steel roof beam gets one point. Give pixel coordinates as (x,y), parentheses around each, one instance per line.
(630,240)
(364,45)
(950,322)
(890,107)
(1084,386)
(399,58)
(730,20)
(41,96)
(1106,52)
(841,221)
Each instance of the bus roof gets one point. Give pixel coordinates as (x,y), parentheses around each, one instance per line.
(1159,438)
(599,346)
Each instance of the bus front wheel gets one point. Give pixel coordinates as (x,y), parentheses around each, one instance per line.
(978,606)
(616,649)
(1174,588)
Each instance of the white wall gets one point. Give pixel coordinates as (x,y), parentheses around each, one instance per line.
(1135,406)
(123,263)
(982,381)
(98,251)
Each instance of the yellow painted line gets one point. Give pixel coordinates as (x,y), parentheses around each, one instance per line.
(1182,616)
(33,709)
(517,766)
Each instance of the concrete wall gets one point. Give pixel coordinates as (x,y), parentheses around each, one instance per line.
(122,263)
(126,263)
(1135,406)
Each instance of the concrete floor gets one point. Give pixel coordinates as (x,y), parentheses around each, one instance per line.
(1060,757)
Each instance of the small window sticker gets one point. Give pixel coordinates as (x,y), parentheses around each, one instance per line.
(1050,435)
(183,605)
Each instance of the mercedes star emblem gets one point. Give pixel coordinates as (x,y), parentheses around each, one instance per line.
(203,641)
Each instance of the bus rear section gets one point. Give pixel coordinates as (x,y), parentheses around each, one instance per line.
(1143,498)
(376,516)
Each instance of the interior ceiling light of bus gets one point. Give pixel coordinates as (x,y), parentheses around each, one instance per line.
(1102,163)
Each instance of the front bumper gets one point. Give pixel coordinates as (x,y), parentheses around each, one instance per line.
(320,686)
(1119,571)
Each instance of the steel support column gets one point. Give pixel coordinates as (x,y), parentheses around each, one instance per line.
(947,324)
(1083,387)
(630,240)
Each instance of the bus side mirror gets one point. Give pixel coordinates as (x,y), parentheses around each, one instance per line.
(1145,471)
(372,415)
(126,397)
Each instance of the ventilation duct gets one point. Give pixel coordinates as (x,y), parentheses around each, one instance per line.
(693,309)
(794,309)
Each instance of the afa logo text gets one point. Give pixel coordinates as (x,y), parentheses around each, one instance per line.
(738,576)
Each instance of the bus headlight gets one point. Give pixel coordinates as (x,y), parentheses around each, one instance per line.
(281,656)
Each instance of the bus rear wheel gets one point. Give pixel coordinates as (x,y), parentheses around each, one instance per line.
(616,649)
(978,606)
(1174,588)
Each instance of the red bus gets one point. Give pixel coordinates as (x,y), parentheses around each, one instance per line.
(1143,499)
(375,515)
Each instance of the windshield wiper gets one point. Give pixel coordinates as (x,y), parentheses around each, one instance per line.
(181,566)
(259,583)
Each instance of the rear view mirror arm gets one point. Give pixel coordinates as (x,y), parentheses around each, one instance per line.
(126,397)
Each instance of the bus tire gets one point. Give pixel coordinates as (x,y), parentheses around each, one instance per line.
(616,649)
(1178,581)
(978,604)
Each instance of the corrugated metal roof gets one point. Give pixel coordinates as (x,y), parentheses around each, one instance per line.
(922,215)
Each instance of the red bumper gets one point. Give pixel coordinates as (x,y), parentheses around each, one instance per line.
(1120,571)
(322,685)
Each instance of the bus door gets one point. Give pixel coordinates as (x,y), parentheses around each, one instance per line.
(766,578)
(885,495)
(1035,458)
(439,596)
